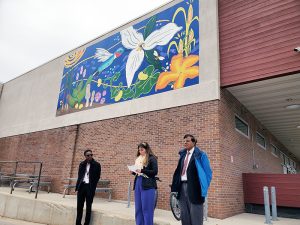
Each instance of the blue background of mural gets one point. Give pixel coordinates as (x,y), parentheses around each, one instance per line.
(105,87)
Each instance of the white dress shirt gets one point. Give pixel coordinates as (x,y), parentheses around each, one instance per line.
(86,175)
(184,177)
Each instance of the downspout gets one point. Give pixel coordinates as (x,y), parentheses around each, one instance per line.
(254,166)
(1,89)
(74,148)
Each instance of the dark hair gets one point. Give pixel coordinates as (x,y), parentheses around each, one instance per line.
(149,151)
(193,139)
(88,150)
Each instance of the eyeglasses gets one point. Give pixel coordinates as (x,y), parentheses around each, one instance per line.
(88,155)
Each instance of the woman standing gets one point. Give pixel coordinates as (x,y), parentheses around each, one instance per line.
(145,184)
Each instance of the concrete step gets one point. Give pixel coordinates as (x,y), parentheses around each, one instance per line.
(8,221)
(53,209)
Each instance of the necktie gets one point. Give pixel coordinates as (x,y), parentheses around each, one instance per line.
(185,163)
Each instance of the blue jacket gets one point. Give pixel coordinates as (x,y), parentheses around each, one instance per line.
(199,175)
(204,170)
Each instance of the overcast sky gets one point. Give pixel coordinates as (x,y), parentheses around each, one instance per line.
(33,32)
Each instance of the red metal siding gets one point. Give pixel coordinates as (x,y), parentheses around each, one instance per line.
(287,188)
(257,38)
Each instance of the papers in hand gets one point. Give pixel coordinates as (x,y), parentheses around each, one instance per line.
(132,168)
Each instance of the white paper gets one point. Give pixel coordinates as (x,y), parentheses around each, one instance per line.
(132,168)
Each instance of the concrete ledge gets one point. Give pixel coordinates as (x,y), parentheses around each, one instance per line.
(52,209)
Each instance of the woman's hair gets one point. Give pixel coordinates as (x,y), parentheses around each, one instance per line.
(149,151)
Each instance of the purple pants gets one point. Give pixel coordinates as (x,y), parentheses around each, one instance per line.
(144,204)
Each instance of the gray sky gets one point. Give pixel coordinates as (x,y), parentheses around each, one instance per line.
(33,32)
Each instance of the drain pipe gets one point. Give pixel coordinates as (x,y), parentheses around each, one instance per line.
(254,166)
(1,89)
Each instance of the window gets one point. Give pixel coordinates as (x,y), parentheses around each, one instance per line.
(286,160)
(274,150)
(261,141)
(281,157)
(293,164)
(241,126)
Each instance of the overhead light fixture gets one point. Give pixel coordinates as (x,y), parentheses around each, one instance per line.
(298,126)
(297,49)
(294,106)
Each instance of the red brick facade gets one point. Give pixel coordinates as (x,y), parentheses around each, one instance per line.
(114,143)
(239,154)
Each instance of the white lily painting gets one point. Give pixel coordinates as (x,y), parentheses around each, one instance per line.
(152,55)
(132,39)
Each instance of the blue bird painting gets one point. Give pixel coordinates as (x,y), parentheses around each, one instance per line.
(106,57)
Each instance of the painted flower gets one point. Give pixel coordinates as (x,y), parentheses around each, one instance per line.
(97,96)
(131,39)
(99,82)
(102,101)
(181,69)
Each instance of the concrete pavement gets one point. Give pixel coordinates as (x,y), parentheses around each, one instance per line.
(52,209)
(8,221)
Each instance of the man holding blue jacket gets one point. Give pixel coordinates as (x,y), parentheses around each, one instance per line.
(191,180)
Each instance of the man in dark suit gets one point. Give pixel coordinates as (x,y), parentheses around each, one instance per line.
(191,180)
(88,176)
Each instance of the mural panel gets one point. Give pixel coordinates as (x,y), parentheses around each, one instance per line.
(156,55)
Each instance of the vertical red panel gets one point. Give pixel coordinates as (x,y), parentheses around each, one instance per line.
(257,39)
(287,188)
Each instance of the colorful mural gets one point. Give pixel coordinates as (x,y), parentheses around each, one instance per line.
(156,55)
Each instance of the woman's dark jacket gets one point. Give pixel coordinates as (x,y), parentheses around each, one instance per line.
(94,174)
(150,171)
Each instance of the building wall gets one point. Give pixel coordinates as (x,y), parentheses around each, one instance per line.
(55,148)
(29,102)
(239,153)
(114,143)
(257,39)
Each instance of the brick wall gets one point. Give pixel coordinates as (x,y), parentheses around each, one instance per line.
(53,147)
(243,151)
(114,143)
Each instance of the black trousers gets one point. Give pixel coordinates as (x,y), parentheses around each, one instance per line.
(84,194)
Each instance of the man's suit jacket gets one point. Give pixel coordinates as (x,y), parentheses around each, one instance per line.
(193,185)
(94,174)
